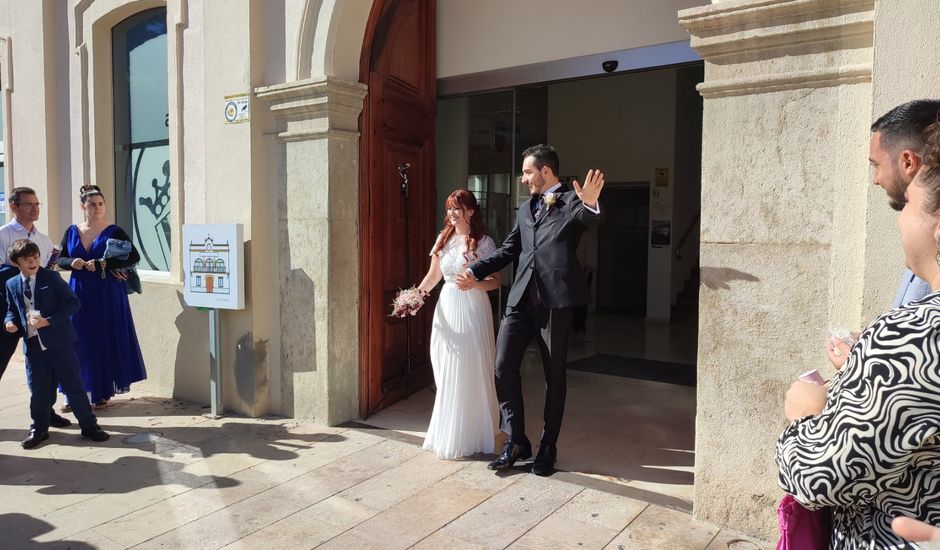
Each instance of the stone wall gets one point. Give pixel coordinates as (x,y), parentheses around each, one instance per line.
(787,103)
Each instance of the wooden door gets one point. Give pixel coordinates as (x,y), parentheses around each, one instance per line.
(397,129)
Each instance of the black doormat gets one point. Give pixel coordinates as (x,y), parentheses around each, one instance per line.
(641,369)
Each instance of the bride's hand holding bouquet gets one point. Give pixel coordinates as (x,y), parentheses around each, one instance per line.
(408,302)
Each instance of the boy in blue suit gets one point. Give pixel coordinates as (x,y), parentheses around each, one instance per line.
(40,304)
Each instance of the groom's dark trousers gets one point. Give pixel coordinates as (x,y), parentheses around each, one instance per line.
(549,327)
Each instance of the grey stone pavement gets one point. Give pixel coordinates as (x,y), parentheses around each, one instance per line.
(170,477)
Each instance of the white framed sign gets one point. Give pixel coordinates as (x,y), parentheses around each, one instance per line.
(214,265)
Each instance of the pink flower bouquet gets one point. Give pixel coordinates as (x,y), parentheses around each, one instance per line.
(407,302)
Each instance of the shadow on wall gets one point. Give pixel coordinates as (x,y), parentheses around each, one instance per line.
(298,333)
(250,359)
(720,278)
(191,374)
(250,369)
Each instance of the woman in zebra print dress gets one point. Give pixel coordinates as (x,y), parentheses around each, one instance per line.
(870,445)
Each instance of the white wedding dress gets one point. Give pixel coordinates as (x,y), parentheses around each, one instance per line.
(463,354)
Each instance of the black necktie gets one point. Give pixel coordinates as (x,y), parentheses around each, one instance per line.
(27,291)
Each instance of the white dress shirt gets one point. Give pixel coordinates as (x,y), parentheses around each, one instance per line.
(28,302)
(14,231)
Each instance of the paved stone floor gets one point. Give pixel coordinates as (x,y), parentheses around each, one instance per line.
(199,483)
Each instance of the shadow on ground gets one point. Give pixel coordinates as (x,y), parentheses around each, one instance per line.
(30,528)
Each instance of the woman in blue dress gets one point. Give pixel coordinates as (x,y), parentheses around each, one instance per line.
(108,351)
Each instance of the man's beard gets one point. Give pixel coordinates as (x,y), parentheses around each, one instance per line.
(896,198)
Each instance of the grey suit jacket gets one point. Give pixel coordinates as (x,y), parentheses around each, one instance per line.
(547,250)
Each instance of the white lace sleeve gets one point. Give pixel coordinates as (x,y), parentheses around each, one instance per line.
(437,240)
(485,247)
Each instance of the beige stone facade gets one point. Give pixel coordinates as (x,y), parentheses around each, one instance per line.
(790,89)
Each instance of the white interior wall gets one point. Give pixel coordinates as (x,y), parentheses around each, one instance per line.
(624,125)
(485,35)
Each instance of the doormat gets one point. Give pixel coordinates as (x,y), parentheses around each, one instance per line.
(641,369)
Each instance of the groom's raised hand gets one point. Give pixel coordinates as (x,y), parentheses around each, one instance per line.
(591,191)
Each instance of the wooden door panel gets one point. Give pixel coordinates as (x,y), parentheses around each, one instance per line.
(397,128)
(394,272)
(401,68)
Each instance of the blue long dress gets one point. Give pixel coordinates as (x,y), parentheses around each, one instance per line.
(108,351)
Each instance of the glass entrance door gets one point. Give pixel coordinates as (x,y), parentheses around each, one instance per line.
(141,135)
(500,126)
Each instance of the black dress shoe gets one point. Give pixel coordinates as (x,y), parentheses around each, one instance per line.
(57,421)
(511,453)
(95,433)
(34,439)
(544,464)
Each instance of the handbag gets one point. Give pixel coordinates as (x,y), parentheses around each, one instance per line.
(117,248)
(801,528)
(121,249)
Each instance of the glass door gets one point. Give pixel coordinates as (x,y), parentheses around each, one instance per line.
(141,135)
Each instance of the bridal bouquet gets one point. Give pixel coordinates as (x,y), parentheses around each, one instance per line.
(407,302)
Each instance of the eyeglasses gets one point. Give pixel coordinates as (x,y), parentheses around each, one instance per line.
(28,204)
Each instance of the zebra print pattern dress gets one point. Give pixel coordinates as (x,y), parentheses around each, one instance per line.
(874,452)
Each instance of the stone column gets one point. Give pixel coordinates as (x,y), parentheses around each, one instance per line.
(33,48)
(787,105)
(317,186)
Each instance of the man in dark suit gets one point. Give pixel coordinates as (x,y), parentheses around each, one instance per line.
(40,306)
(549,284)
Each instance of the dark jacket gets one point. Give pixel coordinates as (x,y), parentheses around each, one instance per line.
(7,272)
(547,249)
(54,300)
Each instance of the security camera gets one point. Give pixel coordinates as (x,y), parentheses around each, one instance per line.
(609,66)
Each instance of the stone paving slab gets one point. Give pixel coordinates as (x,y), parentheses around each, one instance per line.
(241,483)
(509,514)
(664,528)
(590,520)
(419,516)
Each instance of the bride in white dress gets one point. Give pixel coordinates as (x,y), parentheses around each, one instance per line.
(463,347)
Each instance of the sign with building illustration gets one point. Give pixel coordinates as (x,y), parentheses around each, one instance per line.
(214,266)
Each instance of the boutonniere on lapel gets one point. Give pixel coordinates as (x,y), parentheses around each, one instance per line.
(549,199)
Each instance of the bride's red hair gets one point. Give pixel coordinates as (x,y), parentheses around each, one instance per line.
(463,199)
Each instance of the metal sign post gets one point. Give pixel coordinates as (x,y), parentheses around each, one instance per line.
(214,279)
(215,366)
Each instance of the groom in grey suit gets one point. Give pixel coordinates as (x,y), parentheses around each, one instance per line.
(549,284)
